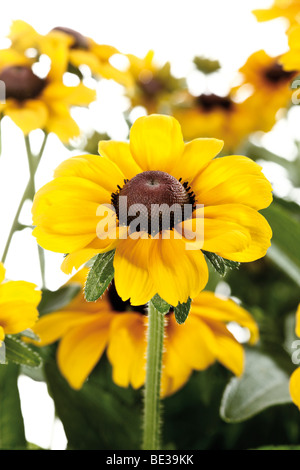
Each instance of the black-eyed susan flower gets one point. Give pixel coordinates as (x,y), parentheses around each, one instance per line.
(67,49)
(208,115)
(35,102)
(270,86)
(18,305)
(285,9)
(151,85)
(295,377)
(96,204)
(85,330)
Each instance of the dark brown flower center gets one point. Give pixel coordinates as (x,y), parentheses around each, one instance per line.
(21,83)
(276,74)
(119,305)
(154,201)
(80,41)
(210,102)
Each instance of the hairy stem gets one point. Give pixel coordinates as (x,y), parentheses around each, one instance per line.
(152,405)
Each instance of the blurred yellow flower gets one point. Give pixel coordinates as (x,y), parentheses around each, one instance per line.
(35,102)
(286,9)
(85,330)
(156,168)
(152,85)
(18,305)
(209,115)
(270,88)
(67,49)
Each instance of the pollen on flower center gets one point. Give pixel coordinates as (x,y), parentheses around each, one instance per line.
(21,83)
(157,199)
(80,41)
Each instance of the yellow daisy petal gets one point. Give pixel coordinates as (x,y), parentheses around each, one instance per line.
(33,114)
(119,153)
(156,142)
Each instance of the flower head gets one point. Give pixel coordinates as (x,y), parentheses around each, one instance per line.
(216,209)
(67,49)
(151,85)
(18,305)
(35,102)
(85,330)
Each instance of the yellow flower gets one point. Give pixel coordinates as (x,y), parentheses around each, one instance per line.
(81,212)
(152,86)
(85,330)
(67,49)
(287,9)
(295,377)
(270,87)
(18,305)
(291,60)
(34,102)
(208,115)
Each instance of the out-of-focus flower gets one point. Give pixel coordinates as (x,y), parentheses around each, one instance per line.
(85,330)
(18,305)
(39,102)
(287,9)
(291,59)
(270,88)
(208,115)
(295,377)
(155,168)
(68,50)
(152,86)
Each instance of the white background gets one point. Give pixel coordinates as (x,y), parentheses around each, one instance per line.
(177,31)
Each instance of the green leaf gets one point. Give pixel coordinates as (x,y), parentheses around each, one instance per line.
(53,301)
(12,434)
(99,277)
(99,416)
(264,383)
(220,264)
(161,305)
(181,311)
(20,353)
(205,65)
(284,250)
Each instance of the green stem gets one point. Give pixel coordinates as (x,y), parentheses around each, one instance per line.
(152,405)
(33,162)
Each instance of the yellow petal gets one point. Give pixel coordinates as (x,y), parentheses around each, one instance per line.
(97,169)
(213,308)
(194,342)
(126,349)
(30,115)
(234,179)
(249,219)
(18,306)
(178,273)
(230,352)
(119,153)
(196,155)
(81,348)
(295,387)
(132,278)
(156,142)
